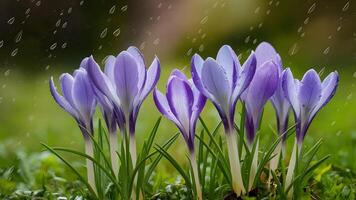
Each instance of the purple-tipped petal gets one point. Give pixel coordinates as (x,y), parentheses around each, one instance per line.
(214,79)
(153,75)
(265,52)
(245,77)
(61,100)
(180,99)
(84,63)
(109,68)
(126,75)
(136,53)
(291,87)
(197,66)
(329,86)
(66,81)
(310,91)
(228,60)
(163,106)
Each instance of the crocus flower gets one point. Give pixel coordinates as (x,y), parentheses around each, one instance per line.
(126,83)
(182,105)
(265,52)
(307,97)
(222,81)
(78,99)
(260,90)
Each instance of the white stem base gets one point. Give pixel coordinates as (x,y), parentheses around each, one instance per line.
(113,149)
(235,166)
(196,176)
(90,168)
(291,168)
(134,159)
(273,165)
(254,166)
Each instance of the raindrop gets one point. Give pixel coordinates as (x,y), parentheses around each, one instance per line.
(247,39)
(104,33)
(203,36)
(158,18)
(189,52)
(81,3)
(326,51)
(330,36)
(338,28)
(58,23)
(53,46)
(268,12)
(116,32)
(312,8)
(260,25)
(7,72)
(204,20)
(156,41)
(47,68)
(14,52)
(277,3)
(169,7)
(100,47)
(103,61)
(18,36)
(64,25)
(257,10)
(70,9)
(64,45)
(300,29)
(159,5)
(38,3)
(112,9)
(201,47)
(321,72)
(194,40)
(302,35)
(270,2)
(27,11)
(294,49)
(306,21)
(1,43)
(354,75)
(11,20)
(349,97)
(254,41)
(346,6)
(124,8)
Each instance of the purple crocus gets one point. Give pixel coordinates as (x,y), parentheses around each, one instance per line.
(222,81)
(78,99)
(182,104)
(308,96)
(126,83)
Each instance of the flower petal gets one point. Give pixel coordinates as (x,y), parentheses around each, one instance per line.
(228,60)
(61,100)
(291,88)
(214,79)
(163,106)
(309,91)
(265,52)
(180,99)
(66,80)
(153,75)
(109,68)
(197,66)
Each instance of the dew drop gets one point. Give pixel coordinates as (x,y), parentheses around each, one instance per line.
(124,8)
(204,20)
(346,6)
(53,46)
(326,51)
(14,52)
(7,72)
(112,9)
(11,20)
(117,32)
(312,8)
(104,33)
(18,36)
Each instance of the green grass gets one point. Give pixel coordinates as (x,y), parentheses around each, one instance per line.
(29,116)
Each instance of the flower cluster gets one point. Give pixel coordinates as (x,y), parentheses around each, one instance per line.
(125,83)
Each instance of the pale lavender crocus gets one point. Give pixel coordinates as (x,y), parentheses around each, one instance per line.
(126,83)
(222,81)
(307,97)
(260,90)
(182,104)
(78,99)
(265,52)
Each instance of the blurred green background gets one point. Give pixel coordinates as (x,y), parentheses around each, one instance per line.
(39,39)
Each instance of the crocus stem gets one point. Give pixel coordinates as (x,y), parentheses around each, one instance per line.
(273,165)
(253,169)
(133,158)
(113,150)
(235,167)
(196,175)
(291,168)
(90,167)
